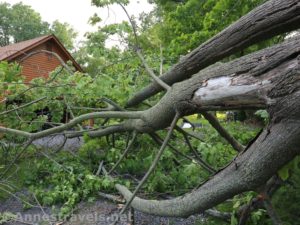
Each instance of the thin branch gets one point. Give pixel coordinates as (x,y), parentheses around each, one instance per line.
(99,168)
(73,122)
(29,142)
(62,145)
(112,103)
(112,198)
(40,206)
(22,106)
(271,186)
(124,153)
(51,53)
(71,112)
(223,132)
(99,133)
(59,165)
(191,134)
(132,25)
(245,211)
(203,164)
(161,61)
(151,73)
(217,214)
(90,108)
(138,52)
(153,165)
(16,197)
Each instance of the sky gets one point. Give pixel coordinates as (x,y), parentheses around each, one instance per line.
(78,12)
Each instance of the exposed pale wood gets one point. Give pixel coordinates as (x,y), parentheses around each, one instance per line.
(272,18)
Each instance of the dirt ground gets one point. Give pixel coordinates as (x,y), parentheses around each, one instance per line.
(99,212)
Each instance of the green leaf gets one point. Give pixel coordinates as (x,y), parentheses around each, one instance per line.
(283,173)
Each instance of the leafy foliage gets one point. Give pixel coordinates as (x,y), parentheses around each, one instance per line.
(67,181)
(20,22)
(65,33)
(174,28)
(6,217)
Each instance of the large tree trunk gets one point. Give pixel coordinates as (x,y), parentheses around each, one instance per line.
(245,83)
(276,146)
(267,79)
(272,18)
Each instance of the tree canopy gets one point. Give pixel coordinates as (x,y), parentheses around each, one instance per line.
(19,22)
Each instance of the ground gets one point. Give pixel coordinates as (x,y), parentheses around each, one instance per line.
(85,213)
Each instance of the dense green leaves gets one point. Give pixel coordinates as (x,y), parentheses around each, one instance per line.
(20,22)
(65,33)
(67,181)
(173,29)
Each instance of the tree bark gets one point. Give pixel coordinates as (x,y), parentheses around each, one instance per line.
(267,79)
(275,147)
(245,83)
(272,18)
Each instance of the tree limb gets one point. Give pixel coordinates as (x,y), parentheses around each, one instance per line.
(124,153)
(222,131)
(22,106)
(269,19)
(72,123)
(278,144)
(153,165)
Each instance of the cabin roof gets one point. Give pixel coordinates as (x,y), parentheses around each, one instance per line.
(13,51)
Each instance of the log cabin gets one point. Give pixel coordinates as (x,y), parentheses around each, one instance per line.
(34,62)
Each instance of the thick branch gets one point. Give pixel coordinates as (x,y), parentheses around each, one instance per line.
(272,18)
(256,81)
(245,83)
(278,144)
(72,123)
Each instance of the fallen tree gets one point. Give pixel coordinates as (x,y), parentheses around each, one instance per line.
(267,20)
(268,79)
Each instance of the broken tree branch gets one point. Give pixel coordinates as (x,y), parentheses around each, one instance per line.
(278,144)
(271,18)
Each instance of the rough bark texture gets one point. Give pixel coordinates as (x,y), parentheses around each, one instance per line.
(241,84)
(275,147)
(244,84)
(272,18)
(267,79)
(250,170)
